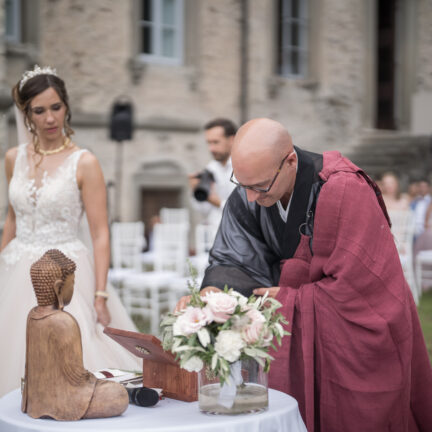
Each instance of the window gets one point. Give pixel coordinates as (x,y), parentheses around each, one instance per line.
(161,31)
(21,24)
(13,20)
(293,27)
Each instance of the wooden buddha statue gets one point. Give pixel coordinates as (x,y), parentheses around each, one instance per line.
(56,384)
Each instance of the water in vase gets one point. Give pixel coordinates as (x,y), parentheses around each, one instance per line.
(250,397)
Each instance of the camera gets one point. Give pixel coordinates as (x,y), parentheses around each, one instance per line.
(202,190)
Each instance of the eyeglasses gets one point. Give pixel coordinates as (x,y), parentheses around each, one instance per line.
(256,189)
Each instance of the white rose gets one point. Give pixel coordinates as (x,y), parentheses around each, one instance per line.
(194,364)
(228,345)
(192,320)
(221,304)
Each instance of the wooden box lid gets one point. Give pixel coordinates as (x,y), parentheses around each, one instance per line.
(160,369)
(146,346)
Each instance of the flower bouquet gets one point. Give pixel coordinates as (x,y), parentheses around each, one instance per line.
(225,337)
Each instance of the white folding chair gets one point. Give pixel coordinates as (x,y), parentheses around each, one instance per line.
(424,270)
(148,293)
(179,287)
(127,242)
(403,226)
(174,216)
(167,216)
(204,238)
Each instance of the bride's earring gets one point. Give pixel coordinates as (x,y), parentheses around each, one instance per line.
(32,128)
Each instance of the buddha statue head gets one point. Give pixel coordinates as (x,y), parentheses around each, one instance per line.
(53,278)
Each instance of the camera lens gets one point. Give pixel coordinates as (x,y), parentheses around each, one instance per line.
(202,190)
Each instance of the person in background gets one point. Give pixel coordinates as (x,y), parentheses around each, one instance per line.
(413,193)
(219,135)
(421,209)
(390,188)
(423,217)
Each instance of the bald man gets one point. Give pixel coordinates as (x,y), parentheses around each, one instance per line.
(313,231)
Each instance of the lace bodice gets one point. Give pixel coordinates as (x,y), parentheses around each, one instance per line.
(46,216)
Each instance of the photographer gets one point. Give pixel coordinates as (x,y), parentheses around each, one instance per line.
(211,187)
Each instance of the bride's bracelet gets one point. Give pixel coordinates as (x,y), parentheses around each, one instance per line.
(103,294)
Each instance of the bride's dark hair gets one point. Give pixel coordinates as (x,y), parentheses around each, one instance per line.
(34,86)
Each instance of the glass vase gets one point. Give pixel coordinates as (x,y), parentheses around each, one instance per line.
(246,392)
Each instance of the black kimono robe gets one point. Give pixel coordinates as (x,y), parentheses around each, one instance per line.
(252,240)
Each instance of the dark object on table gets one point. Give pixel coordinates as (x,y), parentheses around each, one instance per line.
(143,396)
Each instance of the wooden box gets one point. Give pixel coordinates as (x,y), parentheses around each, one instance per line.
(160,369)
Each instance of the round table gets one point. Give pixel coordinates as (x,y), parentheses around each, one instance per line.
(167,416)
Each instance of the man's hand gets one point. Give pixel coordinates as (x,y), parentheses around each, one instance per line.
(193,180)
(272,291)
(214,199)
(184,301)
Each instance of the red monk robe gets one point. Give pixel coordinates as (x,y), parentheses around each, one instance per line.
(356,360)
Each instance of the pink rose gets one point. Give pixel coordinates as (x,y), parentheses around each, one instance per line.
(252,331)
(221,304)
(267,338)
(192,320)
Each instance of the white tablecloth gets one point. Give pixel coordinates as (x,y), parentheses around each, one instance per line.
(167,416)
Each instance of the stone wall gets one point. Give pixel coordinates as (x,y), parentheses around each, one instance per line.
(424,63)
(422,94)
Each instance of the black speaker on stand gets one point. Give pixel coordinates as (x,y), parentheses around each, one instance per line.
(121,126)
(121,129)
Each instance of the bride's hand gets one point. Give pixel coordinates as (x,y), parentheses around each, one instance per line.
(102,312)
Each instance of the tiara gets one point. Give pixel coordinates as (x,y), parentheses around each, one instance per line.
(36,71)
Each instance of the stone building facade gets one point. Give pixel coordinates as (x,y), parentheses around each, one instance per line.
(313,65)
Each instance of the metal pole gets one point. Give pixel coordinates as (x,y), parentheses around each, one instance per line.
(244,59)
(118,180)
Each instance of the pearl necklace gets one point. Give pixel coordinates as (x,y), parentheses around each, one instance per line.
(57,150)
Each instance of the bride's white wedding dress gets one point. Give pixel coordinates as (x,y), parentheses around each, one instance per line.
(47,217)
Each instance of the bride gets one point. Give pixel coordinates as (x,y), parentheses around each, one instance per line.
(51,183)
